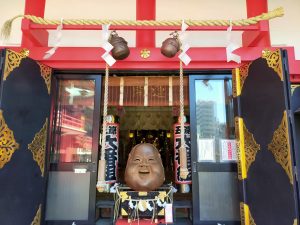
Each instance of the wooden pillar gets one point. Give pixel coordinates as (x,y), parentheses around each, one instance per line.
(256,7)
(32,38)
(261,37)
(145,10)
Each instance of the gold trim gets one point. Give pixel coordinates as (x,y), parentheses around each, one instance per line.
(293,87)
(123,212)
(161,212)
(37,218)
(242,213)
(243,74)
(38,147)
(12,61)
(162,195)
(8,144)
(25,52)
(295,222)
(274,61)
(247,148)
(237,137)
(280,147)
(46,72)
(235,73)
(145,53)
(142,193)
(246,217)
(124,196)
(251,148)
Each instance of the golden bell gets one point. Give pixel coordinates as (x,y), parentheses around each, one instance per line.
(170,46)
(120,50)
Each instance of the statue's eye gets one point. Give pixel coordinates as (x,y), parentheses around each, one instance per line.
(136,160)
(151,160)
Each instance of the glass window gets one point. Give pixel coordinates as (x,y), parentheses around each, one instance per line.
(215,121)
(73,121)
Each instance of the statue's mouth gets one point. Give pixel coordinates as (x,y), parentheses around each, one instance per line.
(144,171)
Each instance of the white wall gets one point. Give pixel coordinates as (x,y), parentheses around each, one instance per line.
(285,31)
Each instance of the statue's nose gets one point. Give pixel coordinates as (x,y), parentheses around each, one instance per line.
(143,163)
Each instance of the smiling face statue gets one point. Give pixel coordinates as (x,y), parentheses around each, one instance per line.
(144,169)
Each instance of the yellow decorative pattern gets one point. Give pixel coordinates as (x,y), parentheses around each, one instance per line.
(8,144)
(243,72)
(234,84)
(12,61)
(293,87)
(123,212)
(280,147)
(236,128)
(251,148)
(246,217)
(247,148)
(124,196)
(46,72)
(145,53)
(162,195)
(242,213)
(38,147)
(37,218)
(274,61)
(237,137)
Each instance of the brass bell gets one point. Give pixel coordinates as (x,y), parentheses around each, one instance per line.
(120,50)
(170,46)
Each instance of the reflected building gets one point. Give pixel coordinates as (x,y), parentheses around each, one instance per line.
(206,119)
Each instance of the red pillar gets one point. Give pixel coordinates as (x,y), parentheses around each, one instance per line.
(145,10)
(256,7)
(32,38)
(257,38)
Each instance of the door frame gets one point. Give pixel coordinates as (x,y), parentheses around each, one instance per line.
(203,167)
(80,75)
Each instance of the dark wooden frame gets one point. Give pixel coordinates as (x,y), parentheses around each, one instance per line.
(204,167)
(293,127)
(92,166)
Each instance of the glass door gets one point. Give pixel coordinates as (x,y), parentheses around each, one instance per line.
(71,189)
(215,182)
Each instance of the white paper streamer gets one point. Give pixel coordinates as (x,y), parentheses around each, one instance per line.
(141,207)
(57,38)
(231,46)
(113,189)
(149,206)
(130,204)
(107,46)
(185,46)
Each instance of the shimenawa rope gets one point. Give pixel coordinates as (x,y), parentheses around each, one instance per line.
(6,29)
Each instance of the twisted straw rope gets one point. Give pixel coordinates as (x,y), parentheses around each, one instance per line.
(104,125)
(243,22)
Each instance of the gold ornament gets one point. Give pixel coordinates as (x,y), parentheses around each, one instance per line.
(8,144)
(145,53)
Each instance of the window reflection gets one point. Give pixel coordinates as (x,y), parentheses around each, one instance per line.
(74,120)
(215,120)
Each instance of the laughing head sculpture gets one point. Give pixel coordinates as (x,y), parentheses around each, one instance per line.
(144,169)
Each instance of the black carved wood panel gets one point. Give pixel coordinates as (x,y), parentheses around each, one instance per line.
(264,134)
(25,108)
